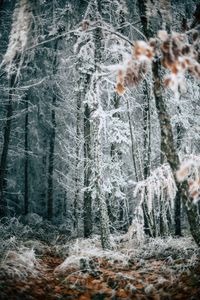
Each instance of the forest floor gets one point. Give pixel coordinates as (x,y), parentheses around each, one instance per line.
(154,271)
(99,278)
(109,281)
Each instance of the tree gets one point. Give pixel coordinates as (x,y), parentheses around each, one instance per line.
(172,61)
(12,59)
(26,158)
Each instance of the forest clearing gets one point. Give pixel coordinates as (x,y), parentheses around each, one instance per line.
(99,149)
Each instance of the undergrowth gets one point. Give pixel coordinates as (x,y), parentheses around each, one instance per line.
(23,242)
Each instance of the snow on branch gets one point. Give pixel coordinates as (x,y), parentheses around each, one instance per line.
(21,24)
(160,181)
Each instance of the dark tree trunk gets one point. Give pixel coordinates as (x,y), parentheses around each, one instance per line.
(5,148)
(51,162)
(147,131)
(115,152)
(177,213)
(100,197)
(148,222)
(76,179)
(1,4)
(87,173)
(26,159)
(147,218)
(50,187)
(177,206)
(133,151)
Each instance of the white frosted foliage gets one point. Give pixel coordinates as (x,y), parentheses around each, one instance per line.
(160,180)
(22,17)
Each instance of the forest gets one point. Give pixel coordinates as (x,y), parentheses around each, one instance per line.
(99,149)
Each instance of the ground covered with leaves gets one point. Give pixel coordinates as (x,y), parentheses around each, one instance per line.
(56,267)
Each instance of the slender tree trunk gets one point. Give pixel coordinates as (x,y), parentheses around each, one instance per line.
(87,173)
(148,220)
(77,181)
(100,197)
(177,204)
(51,162)
(26,159)
(1,4)
(177,213)
(161,219)
(132,142)
(147,132)
(5,148)
(115,149)
(50,187)
(115,152)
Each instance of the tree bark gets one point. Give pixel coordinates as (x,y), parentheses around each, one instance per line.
(87,173)
(26,159)
(51,163)
(171,154)
(100,197)
(177,204)
(76,179)
(148,221)
(167,142)
(50,187)
(5,148)
(133,151)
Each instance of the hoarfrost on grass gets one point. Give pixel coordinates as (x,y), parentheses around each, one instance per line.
(20,263)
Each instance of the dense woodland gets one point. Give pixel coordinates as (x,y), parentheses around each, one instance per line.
(99,149)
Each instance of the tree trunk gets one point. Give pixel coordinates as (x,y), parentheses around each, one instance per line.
(177,206)
(76,179)
(133,151)
(51,162)
(26,159)
(147,131)
(171,154)
(87,173)
(148,221)
(115,152)
(177,213)
(167,143)
(100,197)
(50,187)
(1,4)
(5,148)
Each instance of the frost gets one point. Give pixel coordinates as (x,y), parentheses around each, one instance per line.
(71,262)
(20,263)
(88,249)
(190,170)
(22,18)
(142,51)
(159,248)
(189,167)
(163,35)
(161,180)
